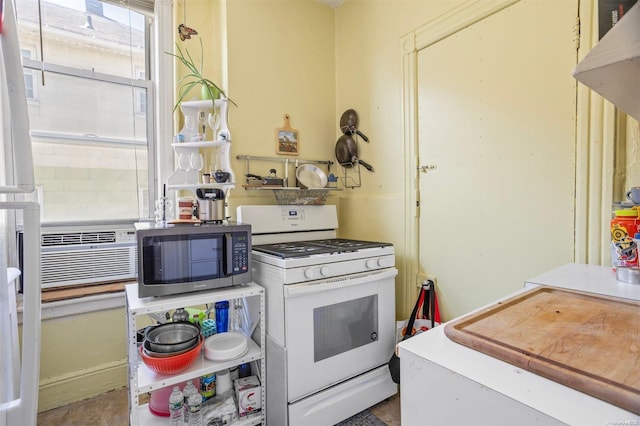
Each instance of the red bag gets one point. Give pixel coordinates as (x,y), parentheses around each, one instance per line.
(426,308)
(425,316)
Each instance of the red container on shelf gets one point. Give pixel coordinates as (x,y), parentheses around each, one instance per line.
(171,364)
(624,225)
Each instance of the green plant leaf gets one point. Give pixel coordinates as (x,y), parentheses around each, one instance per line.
(194,76)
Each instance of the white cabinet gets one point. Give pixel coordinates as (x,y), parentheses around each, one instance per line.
(215,150)
(143,380)
(470,387)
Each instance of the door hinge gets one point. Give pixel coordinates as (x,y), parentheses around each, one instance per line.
(576,33)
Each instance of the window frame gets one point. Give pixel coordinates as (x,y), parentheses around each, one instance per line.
(29,72)
(161,69)
(137,85)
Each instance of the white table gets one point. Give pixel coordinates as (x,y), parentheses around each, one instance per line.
(445,383)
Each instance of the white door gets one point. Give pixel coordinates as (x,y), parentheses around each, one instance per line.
(496,105)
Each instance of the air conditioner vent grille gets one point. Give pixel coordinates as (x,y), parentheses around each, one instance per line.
(78,238)
(87,266)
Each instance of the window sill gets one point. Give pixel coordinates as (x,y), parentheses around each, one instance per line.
(79,305)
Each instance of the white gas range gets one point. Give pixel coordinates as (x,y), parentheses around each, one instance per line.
(330,314)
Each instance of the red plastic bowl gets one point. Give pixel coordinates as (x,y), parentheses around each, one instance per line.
(171,364)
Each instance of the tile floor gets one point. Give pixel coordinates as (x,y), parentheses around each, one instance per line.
(111,409)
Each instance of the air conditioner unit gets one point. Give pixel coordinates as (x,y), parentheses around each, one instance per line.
(72,256)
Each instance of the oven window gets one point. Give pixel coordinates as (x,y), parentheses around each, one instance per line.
(344,326)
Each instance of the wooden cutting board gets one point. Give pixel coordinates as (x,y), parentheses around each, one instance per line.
(587,342)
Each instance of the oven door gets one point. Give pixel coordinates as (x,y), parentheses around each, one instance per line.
(337,329)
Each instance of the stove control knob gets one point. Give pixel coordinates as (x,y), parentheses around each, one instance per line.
(309,273)
(385,262)
(325,271)
(381,262)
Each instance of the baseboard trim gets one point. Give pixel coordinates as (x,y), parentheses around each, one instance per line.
(59,391)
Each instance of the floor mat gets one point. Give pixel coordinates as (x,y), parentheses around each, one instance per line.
(363,418)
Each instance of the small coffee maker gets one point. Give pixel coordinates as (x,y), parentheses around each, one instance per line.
(210,205)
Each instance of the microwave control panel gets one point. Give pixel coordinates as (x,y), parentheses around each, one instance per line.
(239,252)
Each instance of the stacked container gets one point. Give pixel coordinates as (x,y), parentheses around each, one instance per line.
(624,225)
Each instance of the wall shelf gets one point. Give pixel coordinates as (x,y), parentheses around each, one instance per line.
(295,162)
(203,117)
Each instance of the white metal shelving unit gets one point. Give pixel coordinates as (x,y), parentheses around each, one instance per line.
(143,380)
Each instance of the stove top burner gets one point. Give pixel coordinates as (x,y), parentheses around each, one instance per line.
(309,248)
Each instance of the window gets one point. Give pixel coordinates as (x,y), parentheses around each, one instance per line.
(29,85)
(141,95)
(92,124)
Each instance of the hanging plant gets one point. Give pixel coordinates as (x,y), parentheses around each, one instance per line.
(194,78)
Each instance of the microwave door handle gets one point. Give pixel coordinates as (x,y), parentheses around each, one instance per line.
(228,253)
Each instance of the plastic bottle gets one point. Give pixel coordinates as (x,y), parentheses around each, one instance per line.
(188,390)
(222,316)
(235,322)
(176,401)
(195,414)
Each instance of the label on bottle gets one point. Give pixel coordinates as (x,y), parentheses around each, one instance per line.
(208,386)
(624,248)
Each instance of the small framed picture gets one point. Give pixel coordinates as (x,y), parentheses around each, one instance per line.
(287,139)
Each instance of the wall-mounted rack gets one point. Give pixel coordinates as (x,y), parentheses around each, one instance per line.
(351,176)
(295,162)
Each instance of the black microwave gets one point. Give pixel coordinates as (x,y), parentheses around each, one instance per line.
(185,258)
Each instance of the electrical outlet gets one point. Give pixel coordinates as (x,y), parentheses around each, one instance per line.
(424,277)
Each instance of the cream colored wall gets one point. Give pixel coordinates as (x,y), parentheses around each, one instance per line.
(81,356)
(281,61)
(369,79)
(632,131)
(294,57)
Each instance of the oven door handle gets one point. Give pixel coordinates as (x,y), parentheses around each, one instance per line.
(339,282)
